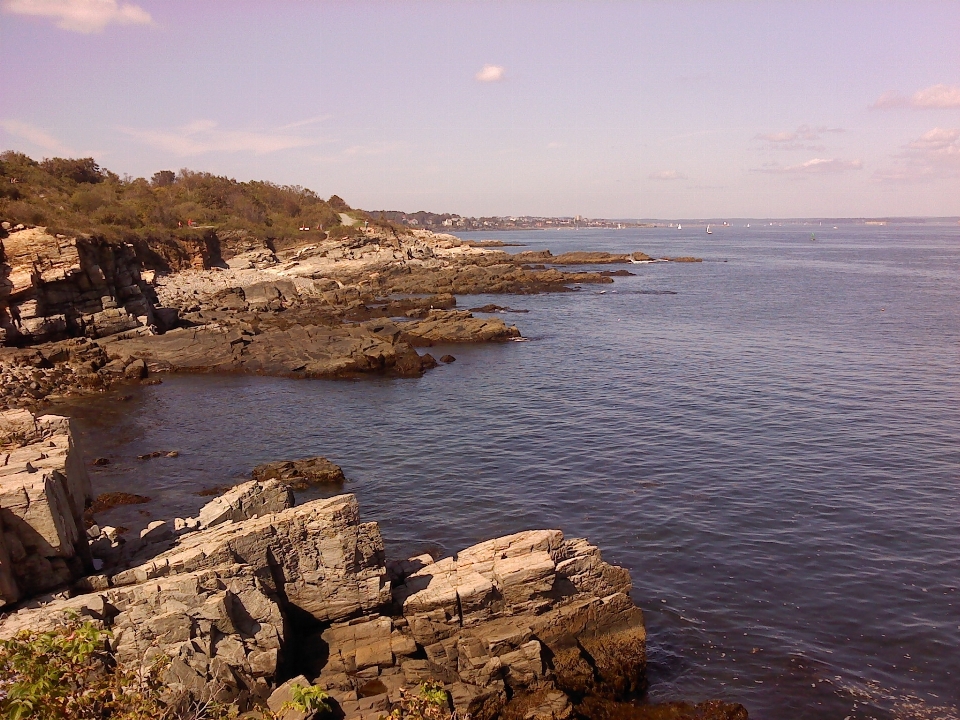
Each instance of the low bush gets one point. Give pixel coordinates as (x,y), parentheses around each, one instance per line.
(68,673)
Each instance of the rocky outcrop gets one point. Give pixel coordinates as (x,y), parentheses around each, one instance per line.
(300,474)
(456,326)
(280,346)
(306,589)
(523,612)
(53,287)
(479,276)
(317,556)
(579,257)
(44,489)
(29,376)
(222,633)
(294,351)
(245,501)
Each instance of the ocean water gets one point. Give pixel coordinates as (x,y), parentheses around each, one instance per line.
(768,440)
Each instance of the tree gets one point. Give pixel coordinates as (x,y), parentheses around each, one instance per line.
(164,178)
(80,170)
(337,203)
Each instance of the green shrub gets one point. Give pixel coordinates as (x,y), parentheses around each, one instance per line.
(430,702)
(312,699)
(68,674)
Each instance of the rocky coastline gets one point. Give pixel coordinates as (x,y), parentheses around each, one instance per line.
(258,595)
(79,315)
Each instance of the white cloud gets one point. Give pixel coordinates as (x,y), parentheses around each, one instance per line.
(814,166)
(204,136)
(554,145)
(83,16)
(36,136)
(938,96)
(490,73)
(667,175)
(933,156)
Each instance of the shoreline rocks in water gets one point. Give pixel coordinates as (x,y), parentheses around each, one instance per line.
(258,590)
(300,474)
(334,308)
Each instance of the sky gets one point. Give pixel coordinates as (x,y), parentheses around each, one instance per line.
(602,109)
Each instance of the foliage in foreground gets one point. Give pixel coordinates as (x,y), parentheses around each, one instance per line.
(428,703)
(68,673)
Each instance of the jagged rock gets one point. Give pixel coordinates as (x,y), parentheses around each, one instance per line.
(284,694)
(57,287)
(553,705)
(301,350)
(454,326)
(331,574)
(300,474)
(44,489)
(136,370)
(246,501)
(17,427)
(489,614)
(156,532)
(224,634)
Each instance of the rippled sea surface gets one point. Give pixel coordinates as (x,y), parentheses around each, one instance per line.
(768,440)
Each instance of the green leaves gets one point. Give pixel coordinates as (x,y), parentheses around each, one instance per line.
(312,699)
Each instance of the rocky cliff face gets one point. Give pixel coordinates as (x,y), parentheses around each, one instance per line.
(52,287)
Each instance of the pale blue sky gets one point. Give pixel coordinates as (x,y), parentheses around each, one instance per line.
(605,109)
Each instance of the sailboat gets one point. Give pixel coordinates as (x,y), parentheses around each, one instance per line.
(709,231)
(678,227)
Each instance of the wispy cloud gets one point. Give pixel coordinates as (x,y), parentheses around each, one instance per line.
(380,148)
(667,175)
(304,123)
(205,136)
(935,155)
(814,166)
(490,73)
(350,153)
(934,97)
(83,16)
(36,136)
(799,139)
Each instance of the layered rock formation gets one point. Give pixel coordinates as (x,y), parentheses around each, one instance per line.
(53,287)
(44,489)
(300,474)
(258,591)
(277,345)
(307,589)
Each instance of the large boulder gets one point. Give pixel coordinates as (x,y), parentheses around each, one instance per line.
(300,474)
(318,556)
(44,488)
(245,501)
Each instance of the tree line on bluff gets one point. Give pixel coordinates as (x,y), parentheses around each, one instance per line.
(76,196)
